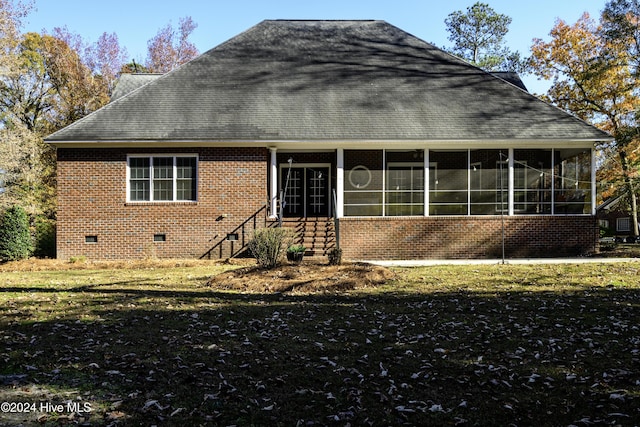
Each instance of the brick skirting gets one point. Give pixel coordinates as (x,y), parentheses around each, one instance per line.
(464,237)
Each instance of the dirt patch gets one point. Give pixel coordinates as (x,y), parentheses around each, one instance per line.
(302,278)
(619,250)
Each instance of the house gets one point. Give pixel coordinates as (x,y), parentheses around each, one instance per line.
(616,219)
(417,153)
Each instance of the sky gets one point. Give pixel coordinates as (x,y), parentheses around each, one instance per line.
(137,21)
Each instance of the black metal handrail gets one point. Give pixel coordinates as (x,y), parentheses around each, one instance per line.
(241,230)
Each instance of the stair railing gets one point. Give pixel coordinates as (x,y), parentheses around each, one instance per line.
(250,224)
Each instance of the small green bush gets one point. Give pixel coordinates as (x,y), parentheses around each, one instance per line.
(15,238)
(269,244)
(296,249)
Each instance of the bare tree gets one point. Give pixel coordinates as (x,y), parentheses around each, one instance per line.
(171,47)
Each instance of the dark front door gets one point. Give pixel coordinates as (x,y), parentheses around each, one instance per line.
(306,191)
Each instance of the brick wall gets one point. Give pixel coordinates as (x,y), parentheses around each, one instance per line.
(461,237)
(92,202)
(232,186)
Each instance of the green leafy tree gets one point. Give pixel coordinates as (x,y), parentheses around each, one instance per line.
(25,162)
(27,171)
(478,37)
(52,81)
(621,30)
(79,91)
(27,96)
(11,15)
(621,27)
(594,78)
(15,238)
(134,68)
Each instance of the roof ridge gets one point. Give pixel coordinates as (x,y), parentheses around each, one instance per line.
(323,20)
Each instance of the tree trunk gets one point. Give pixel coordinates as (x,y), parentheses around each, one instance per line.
(631,189)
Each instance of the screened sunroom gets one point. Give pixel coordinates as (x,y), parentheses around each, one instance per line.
(431,182)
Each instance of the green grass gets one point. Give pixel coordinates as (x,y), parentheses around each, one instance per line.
(447,345)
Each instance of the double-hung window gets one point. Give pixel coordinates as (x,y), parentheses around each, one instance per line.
(162,178)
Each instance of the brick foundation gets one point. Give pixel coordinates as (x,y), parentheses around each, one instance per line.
(462,237)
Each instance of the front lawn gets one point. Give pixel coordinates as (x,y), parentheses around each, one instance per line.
(447,345)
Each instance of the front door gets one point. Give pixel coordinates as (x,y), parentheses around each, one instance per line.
(305,190)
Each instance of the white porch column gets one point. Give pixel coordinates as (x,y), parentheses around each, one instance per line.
(273,188)
(593,181)
(339,183)
(553,181)
(511,181)
(426,182)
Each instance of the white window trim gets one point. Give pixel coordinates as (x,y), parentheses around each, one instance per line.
(175,176)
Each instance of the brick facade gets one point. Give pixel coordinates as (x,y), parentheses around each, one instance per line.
(92,203)
(461,237)
(232,189)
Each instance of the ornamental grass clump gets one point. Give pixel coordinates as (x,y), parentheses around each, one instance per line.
(269,244)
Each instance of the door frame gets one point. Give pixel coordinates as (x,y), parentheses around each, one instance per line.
(285,166)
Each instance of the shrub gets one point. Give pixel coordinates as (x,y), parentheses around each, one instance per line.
(269,244)
(45,238)
(335,256)
(606,232)
(15,239)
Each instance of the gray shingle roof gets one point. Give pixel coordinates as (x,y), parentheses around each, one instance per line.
(130,82)
(511,77)
(326,80)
